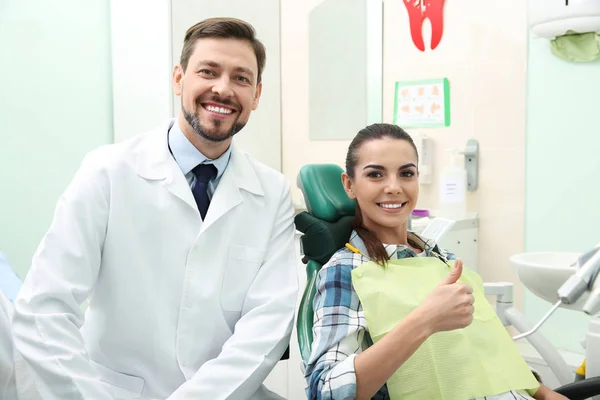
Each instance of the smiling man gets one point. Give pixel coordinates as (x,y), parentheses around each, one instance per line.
(219,81)
(181,243)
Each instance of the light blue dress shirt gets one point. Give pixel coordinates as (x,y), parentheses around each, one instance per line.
(10,283)
(188,157)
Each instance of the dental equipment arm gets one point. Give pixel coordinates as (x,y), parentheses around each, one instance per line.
(583,280)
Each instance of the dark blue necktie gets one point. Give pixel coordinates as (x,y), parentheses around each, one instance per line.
(204,173)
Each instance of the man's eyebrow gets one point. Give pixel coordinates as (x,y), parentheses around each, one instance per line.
(207,63)
(245,71)
(213,64)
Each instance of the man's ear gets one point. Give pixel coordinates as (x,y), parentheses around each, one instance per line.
(348,185)
(178,80)
(257,96)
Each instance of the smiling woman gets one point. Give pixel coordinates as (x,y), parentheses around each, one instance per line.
(383,178)
(386,293)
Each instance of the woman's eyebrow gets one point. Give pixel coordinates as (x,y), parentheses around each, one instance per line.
(407,166)
(382,168)
(379,167)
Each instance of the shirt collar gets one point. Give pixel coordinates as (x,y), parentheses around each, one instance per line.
(395,251)
(188,156)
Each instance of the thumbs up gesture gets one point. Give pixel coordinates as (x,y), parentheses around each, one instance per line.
(449,306)
(454,275)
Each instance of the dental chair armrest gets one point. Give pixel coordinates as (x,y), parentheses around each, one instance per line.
(502,290)
(581,389)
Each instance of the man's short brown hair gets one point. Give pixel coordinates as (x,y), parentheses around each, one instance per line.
(224,28)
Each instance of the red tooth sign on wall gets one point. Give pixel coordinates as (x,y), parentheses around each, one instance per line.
(418,10)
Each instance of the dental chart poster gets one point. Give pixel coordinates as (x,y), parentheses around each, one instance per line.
(422,104)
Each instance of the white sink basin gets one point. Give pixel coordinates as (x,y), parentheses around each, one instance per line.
(544,273)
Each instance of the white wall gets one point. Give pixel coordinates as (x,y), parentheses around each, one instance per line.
(337,57)
(55,105)
(141,65)
(297,148)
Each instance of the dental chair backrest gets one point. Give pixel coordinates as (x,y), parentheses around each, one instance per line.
(326,227)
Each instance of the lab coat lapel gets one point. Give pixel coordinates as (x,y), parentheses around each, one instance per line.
(179,186)
(155,162)
(239,176)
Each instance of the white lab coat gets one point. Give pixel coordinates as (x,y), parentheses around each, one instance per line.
(8,389)
(16,382)
(179,308)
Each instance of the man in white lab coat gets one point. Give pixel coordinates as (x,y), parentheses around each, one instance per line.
(15,380)
(181,243)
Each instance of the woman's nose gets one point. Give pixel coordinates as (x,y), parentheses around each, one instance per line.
(393,186)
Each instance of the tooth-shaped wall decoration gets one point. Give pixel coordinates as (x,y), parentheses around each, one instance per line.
(418,10)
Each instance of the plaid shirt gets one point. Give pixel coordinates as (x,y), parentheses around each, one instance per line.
(340,329)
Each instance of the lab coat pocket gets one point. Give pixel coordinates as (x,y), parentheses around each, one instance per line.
(243,264)
(121,386)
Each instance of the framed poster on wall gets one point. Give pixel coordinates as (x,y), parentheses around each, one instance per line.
(422,104)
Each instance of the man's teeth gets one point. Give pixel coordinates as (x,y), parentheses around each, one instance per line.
(391,205)
(219,110)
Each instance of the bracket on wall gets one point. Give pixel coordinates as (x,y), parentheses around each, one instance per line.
(471,154)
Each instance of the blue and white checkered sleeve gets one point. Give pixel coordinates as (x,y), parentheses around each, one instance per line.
(448,255)
(338,332)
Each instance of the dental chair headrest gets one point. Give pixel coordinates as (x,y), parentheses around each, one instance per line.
(324,194)
(327,225)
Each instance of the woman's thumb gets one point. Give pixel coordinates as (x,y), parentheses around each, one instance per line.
(454,274)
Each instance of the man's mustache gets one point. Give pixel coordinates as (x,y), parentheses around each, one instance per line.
(217,99)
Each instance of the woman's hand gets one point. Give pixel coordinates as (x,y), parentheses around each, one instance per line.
(450,305)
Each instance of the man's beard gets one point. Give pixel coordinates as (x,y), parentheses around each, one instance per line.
(212,135)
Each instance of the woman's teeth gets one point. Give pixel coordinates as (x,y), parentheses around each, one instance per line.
(397,205)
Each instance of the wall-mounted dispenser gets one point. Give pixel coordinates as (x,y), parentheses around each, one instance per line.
(425,151)
(573,27)
(553,18)
(471,153)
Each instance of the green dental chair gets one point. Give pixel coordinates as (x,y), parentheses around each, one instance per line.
(326,227)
